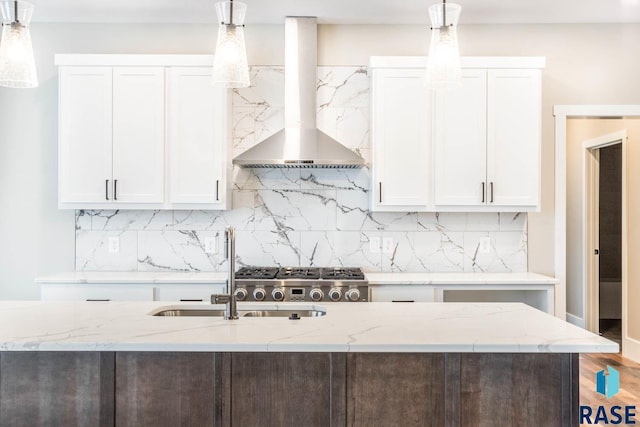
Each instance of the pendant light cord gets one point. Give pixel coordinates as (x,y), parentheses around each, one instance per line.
(231,13)
(444,13)
(15,12)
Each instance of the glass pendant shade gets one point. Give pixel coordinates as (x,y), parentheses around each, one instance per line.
(443,64)
(230,67)
(17,65)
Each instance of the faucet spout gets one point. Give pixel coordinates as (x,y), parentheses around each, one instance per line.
(231,311)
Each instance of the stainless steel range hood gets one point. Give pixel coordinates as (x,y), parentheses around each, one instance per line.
(300,144)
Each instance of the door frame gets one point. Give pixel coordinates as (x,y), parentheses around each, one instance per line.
(591,225)
(631,347)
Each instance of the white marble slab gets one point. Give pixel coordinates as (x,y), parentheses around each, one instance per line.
(371,327)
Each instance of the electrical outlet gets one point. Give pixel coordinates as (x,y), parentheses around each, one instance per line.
(484,246)
(374,245)
(387,245)
(114,244)
(211,245)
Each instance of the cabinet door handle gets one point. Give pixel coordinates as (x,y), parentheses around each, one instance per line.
(190,300)
(103,300)
(380,191)
(483,192)
(115,189)
(217,190)
(106,189)
(491,185)
(403,300)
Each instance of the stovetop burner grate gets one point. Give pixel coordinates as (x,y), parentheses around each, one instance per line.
(298,273)
(308,273)
(256,273)
(342,273)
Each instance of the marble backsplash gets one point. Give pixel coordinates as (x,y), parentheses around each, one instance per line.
(306,217)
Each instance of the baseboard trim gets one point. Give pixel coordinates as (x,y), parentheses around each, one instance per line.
(631,349)
(575,320)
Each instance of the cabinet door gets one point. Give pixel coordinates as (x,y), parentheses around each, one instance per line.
(460,141)
(169,389)
(513,160)
(197,136)
(57,388)
(85,135)
(138,134)
(401,139)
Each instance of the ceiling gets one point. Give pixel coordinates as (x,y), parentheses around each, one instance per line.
(340,11)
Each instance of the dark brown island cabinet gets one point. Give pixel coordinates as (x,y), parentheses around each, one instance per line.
(287,389)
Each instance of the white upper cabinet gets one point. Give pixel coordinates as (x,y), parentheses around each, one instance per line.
(401,140)
(124,146)
(85,135)
(513,137)
(472,148)
(196,133)
(461,148)
(487,142)
(138,135)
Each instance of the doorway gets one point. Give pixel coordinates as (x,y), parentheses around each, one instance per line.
(570,225)
(604,219)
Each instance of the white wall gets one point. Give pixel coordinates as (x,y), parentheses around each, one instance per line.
(587,64)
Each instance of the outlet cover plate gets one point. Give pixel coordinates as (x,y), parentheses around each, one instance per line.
(484,246)
(211,245)
(387,245)
(114,244)
(374,245)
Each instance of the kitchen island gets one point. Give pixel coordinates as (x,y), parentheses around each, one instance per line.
(112,363)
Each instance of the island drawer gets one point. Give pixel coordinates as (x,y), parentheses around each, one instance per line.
(402,293)
(186,293)
(68,292)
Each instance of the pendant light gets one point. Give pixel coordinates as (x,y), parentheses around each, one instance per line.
(443,66)
(230,68)
(17,66)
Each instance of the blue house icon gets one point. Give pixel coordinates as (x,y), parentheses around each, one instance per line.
(608,384)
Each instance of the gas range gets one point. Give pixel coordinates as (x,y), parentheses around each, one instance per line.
(313,284)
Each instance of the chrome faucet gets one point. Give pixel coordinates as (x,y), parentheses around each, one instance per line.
(229,298)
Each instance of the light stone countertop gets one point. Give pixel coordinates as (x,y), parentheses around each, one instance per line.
(134,277)
(458,278)
(373,278)
(370,327)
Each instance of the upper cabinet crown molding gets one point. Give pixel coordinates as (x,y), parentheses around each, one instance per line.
(142,132)
(530,62)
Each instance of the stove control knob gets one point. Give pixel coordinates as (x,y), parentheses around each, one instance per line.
(259,294)
(277,294)
(353,295)
(335,294)
(241,294)
(316,294)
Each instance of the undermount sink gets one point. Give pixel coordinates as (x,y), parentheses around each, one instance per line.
(282,313)
(200,311)
(177,312)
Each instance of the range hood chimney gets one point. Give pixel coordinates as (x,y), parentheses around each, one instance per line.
(300,144)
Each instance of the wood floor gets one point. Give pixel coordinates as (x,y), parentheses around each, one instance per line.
(629,377)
